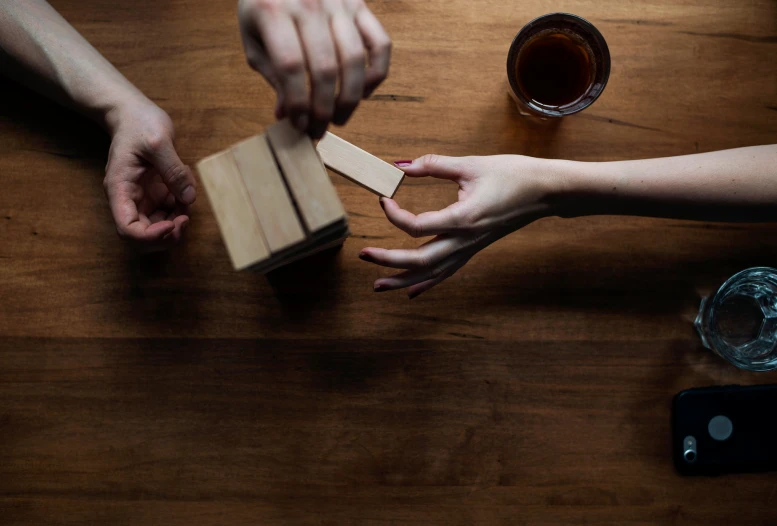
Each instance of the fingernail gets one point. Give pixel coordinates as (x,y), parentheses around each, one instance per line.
(188,195)
(380,288)
(382,204)
(184,226)
(301,122)
(402,164)
(366,257)
(411,296)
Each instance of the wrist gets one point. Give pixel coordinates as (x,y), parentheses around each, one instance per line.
(565,184)
(122,109)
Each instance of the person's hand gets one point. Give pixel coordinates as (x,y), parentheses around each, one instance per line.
(337,42)
(149,189)
(497,195)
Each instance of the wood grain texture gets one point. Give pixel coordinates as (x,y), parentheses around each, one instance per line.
(269,196)
(313,192)
(363,168)
(533,388)
(234,212)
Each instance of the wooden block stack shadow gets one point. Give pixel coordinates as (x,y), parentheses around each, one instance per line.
(273,199)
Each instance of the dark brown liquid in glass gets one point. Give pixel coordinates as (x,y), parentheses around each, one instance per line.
(554,70)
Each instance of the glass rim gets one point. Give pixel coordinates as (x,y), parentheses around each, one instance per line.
(719,293)
(584,101)
(708,311)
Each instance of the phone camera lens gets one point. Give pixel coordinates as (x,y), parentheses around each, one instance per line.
(689,449)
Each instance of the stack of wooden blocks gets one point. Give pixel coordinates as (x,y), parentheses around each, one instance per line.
(274,201)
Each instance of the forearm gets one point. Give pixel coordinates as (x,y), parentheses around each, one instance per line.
(728,185)
(41,50)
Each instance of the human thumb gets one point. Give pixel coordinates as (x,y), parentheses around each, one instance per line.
(176,175)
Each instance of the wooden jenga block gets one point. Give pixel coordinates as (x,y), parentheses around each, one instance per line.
(306,176)
(274,203)
(233,209)
(268,193)
(364,169)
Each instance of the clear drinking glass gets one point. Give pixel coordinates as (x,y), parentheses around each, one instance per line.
(739,323)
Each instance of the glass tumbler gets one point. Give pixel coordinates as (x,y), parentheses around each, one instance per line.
(558,64)
(739,322)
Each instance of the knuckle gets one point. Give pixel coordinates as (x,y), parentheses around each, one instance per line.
(325,73)
(436,272)
(290,65)
(383,46)
(323,114)
(460,218)
(353,5)
(176,175)
(430,160)
(354,59)
(264,5)
(296,105)
(155,141)
(311,5)
(422,261)
(347,102)
(415,229)
(465,220)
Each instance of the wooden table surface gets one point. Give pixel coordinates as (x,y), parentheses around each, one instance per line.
(534,387)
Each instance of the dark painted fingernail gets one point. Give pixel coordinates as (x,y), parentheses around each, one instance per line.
(184,226)
(380,288)
(382,204)
(366,257)
(403,164)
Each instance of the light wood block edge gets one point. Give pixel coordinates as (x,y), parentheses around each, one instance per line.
(268,193)
(306,176)
(235,216)
(359,166)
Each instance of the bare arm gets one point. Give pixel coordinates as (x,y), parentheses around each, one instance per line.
(728,185)
(147,185)
(41,50)
(500,194)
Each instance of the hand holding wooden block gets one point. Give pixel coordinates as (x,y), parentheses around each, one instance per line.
(305,175)
(364,169)
(274,201)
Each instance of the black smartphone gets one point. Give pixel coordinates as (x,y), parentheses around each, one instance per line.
(726,429)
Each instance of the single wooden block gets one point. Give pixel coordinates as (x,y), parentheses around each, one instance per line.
(271,200)
(306,176)
(233,209)
(364,169)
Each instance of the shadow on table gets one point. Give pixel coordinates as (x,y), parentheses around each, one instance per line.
(503,130)
(309,284)
(42,125)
